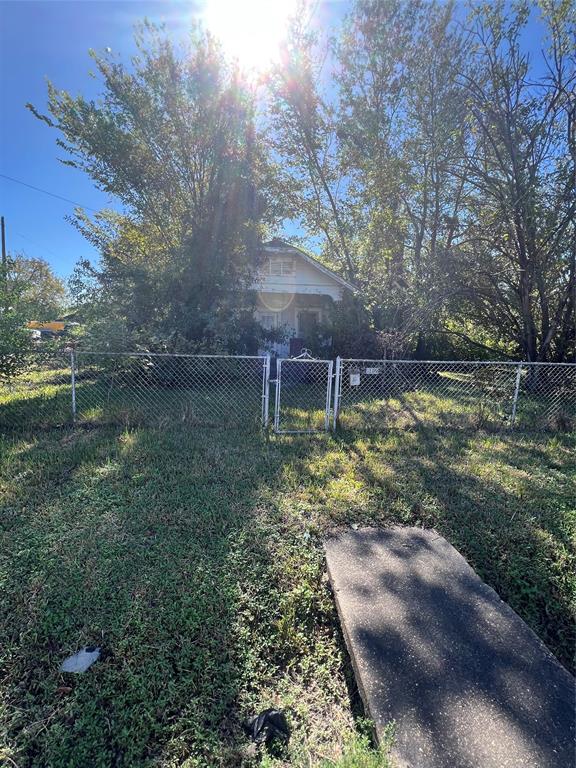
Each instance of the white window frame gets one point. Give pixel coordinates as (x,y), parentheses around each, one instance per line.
(261,314)
(283,267)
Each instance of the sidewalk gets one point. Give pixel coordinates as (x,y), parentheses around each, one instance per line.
(467,683)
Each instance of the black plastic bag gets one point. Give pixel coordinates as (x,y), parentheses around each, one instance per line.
(269,725)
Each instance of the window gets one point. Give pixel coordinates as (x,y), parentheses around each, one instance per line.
(280,267)
(308,322)
(268,320)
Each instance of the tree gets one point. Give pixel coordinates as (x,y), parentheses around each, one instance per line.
(368,162)
(440,171)
(516,266)
(173,139)
(402,126)
(40,294)
(15,342)
(432,166)
(302,133)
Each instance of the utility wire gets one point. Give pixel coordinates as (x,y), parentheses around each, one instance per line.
(46,192)
(36,244)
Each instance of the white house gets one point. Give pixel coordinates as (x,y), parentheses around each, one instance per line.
(294,293)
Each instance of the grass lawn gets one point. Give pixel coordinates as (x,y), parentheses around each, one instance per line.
(193,557)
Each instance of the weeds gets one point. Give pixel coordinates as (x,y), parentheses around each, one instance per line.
(193,557)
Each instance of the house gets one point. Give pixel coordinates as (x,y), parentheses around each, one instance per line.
(295,293)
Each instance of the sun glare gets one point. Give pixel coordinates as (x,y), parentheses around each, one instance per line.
(250,31)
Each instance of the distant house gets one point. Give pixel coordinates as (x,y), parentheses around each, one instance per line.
(294,295)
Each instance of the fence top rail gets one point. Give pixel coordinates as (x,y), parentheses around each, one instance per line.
(302,360)
(168,354)
(452,362)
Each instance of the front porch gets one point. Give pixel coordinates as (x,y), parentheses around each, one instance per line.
(297,317)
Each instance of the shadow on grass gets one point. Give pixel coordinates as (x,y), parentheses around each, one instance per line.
(493,498)
(191,556)
(36,409)
(149,547)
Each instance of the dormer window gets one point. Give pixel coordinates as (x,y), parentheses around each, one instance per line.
(279,267)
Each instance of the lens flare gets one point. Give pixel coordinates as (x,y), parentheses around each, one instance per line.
(251,31)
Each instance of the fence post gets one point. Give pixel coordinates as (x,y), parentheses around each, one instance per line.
(328,396)
(266,392)
(516,392)
(73,374)
(277,395)
(337,391)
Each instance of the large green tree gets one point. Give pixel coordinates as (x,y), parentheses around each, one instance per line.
(401,126)
(38,292)
(425,155)
(29,290)
(515,270)
(437,166)
(173,139)
(367,160)
(15,339)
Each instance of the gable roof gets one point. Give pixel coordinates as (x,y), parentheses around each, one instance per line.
(276,245)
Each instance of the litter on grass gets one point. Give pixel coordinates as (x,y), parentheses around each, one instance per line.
(269,725)
(79,662)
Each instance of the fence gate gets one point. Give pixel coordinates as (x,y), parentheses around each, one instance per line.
(303,395)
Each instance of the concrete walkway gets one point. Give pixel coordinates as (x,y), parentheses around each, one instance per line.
(468,684)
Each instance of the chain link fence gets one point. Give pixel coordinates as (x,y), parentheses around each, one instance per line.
(546,397)
(136,388)
(374,394)
(59,388)
(303,395)
(207,390)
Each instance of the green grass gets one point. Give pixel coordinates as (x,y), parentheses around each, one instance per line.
(193,557)
(39,398)
(359,753)
(452,406)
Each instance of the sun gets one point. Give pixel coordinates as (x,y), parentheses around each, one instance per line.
(251,31)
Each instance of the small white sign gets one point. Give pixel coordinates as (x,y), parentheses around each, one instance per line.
(354,379)
(373,371)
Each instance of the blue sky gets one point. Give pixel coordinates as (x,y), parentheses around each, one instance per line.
(51,39)
(40,40)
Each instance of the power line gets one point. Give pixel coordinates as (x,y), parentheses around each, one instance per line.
(37,244)
(46,192)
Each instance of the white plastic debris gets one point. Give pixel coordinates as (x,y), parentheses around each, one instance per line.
(79,662)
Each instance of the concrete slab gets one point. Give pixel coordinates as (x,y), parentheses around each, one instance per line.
(467,682)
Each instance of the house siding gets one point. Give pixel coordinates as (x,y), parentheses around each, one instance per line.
(289,284)
(305,280)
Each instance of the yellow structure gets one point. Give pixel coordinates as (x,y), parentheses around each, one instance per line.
(55,326)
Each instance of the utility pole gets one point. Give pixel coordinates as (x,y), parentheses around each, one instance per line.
(3,243)
(4,273)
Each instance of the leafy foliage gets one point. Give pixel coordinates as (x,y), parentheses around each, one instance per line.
(422,152)
(440,170)
(519,240)
(173,139)
(15,342)
(40,294)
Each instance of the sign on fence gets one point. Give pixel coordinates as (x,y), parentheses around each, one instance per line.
(233,390)
(371,394)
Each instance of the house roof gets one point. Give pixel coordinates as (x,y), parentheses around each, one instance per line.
(278,245)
